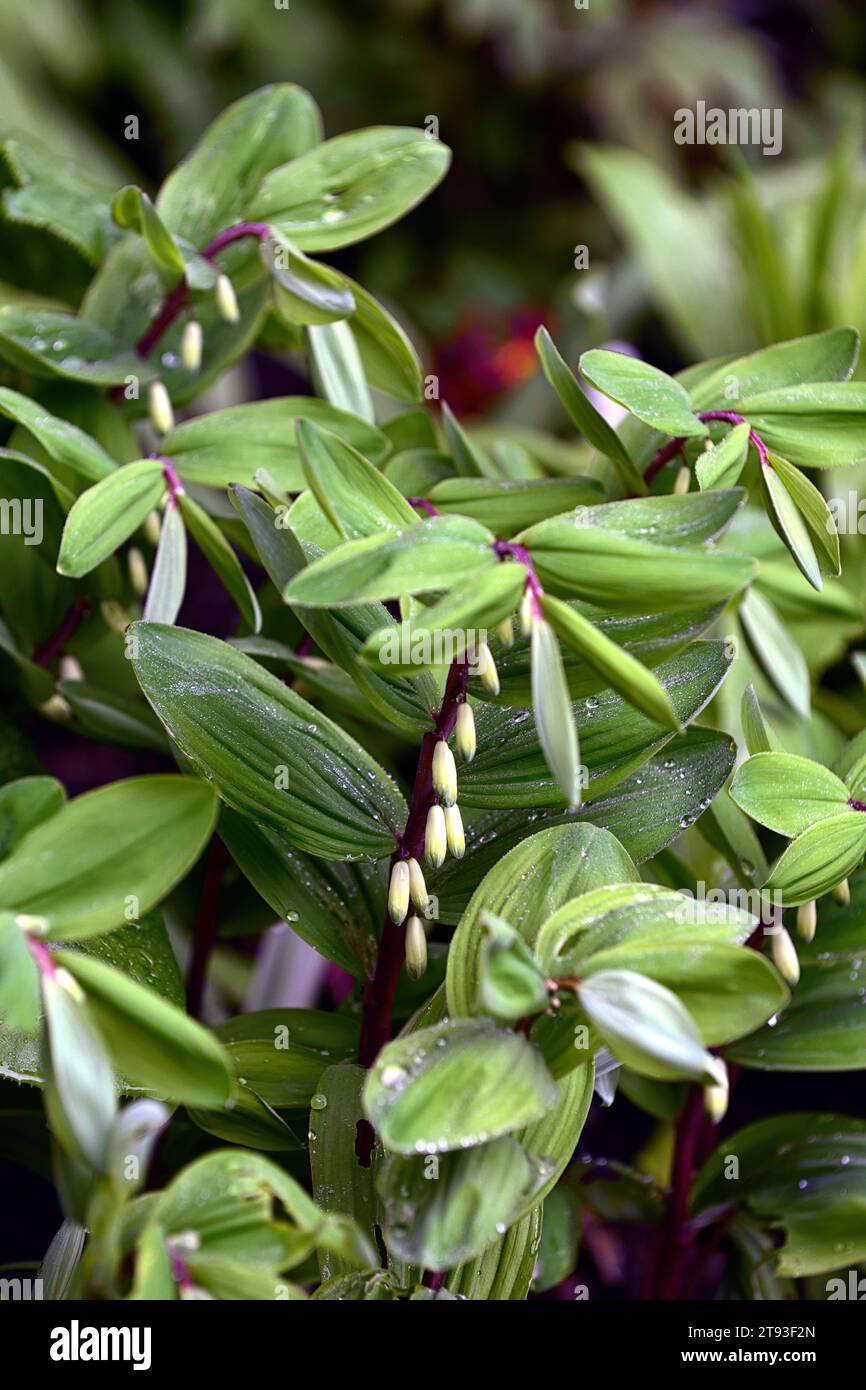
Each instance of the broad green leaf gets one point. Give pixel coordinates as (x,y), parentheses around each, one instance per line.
(24,804)
(786,517)
(776,651)
(52,343)
(269,754)
(168,578)
(454,1086)
(504,1271)
(213,186)
(721,466)
(508,505)
(219,554)
(120,847)
(830,356)
(80,1099)
(133,210)
(815,425)
(63,442)
(814,510)
(340,1183)
(305,291)
(152,1043)
(389,360)
(624,673)
(110,718)
(106,515)
(354,495)
(231,446)
(350,187)
(54,194)
(646,392)
(557,1255)
(476,1194)
(803,1174)
(583,413)
(787,793)
(19,978)
(669,519)
(511,985)
(433,555)
(820,858)
(647,1027)
(554,717)
(333,907)
(337,370)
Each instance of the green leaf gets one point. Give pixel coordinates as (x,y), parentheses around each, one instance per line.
(820,858)
(821,1030)
(469,459)
(79,1093)
(337,370)
(340,1183)
(389,360)
(152,1043)
(814,511)
(509,505)
(63,442)
(120,847)
(354,495)
(721,466)
(475,1195)
(646,392)
(133,210)
(776,652)
(624,673)
(57,195)
(24,804)
(250,735)
(51,343)
(19,978)
(455,1085)
(804,1174)
(222,559)
(110,718)
(231,446)
(305,291)
(786,518)
(350,187)
(813,425)
(106,515)
(511,985)
(583,413)
(647,1027)
(168,578)
(830,356)
(554,717)
(213,186)
(758,735)
(787,793)
(432,555)
(505,1270)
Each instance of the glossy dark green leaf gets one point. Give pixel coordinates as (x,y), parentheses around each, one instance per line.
(110,718)
(62,441)
(340,1182)
(820,858)
(787,793)
(268,753)
(24,804)
(106,515)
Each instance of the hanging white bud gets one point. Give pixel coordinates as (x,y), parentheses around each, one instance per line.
(842,893)
(153,527)
(191,344)
(444,773)
(70,669)
(486,670)
(785,956)
(56,709)
(684,480)
(138,576)
(34,926)
(454,833)
(527,613)
(398,892)
(505,632)
(159,405)
(114,616)
(227,300)
(416,948)
(435,842)
(417,887)
(464,733)
(716,1099)
(807,921)
(68,983)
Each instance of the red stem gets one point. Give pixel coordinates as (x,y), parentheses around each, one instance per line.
(51,648)
(676,1236)
(676,446)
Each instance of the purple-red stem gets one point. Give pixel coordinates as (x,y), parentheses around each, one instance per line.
(676,446)
(510,549)
(54,645)
(676,1238)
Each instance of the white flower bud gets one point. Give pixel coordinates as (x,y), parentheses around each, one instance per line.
(138,576)
(153,527)
(444,773)
(505,632)
(416,948)
(716,1099)
(417,887)
(842,893)
(807,921)
(227,301)
(435,843)
(454,834)
(68,983)
(159,405)
(684,480)
(398,892)
(527,613)
(55,708)
(70,669)
(486,671)
(191,344)
(785,956)
(34,926)
(464,733)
